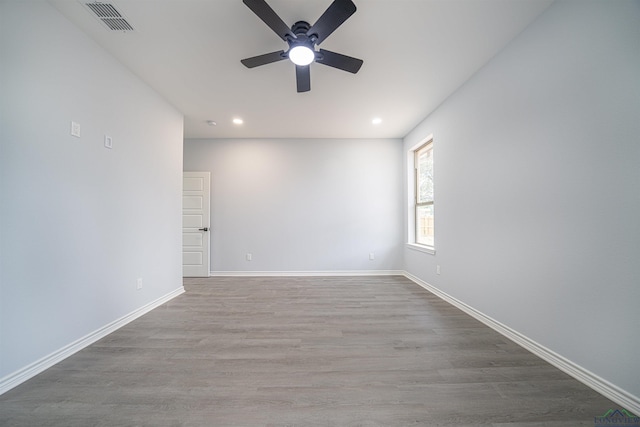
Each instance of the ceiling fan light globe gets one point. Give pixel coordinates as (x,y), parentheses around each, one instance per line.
(301,55)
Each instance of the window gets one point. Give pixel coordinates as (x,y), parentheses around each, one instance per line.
(424,209)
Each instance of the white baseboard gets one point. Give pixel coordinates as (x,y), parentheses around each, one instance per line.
(338,273)
(591,380)
(13,380)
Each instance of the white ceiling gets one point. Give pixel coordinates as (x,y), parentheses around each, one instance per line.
(415,52)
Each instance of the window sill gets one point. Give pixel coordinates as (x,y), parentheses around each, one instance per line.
(421,248)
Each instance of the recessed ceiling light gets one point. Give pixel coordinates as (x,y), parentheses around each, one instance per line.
(211,123)
(376,121)
(238,121)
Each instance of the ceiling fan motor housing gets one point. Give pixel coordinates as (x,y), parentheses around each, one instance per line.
(300,29)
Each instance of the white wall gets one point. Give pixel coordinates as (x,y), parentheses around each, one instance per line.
(302,205)
(538,188)
(79,223)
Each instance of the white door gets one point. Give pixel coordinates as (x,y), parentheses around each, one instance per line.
(195,224)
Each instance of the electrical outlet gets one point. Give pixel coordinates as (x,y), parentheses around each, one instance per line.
(108,142)
(249,257)
(139,283)
(75,129)
(372,256)
(438,269)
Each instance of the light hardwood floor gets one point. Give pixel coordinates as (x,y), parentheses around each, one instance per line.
(358,351)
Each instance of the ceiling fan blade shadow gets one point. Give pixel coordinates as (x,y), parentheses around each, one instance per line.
(303,78)
(338,60)
(338,12)
(269,17)
(267,58)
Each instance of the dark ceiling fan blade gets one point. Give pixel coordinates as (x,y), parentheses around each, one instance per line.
(264,12)
(303,78)
(267,58)
(338,12)
(338,60)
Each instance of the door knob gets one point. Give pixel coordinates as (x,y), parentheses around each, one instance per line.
(204,229)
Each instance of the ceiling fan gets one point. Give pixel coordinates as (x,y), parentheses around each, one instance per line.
(303,38)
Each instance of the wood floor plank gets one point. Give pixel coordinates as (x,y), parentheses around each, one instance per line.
(303,351)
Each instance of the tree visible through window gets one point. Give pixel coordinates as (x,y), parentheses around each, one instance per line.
(424,195)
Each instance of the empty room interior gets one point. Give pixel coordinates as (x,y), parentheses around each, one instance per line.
(434,222)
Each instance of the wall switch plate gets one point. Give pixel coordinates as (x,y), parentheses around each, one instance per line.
(438,269)
(372,256)
(108,141)
(249,257)
(139,283)
(75,129)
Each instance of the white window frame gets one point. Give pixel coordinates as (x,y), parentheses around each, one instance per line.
(412,198)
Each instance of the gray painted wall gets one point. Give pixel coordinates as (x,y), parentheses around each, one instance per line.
(537,187)
(302,205)
(79,223)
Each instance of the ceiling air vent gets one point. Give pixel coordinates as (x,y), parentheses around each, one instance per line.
(109,15)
